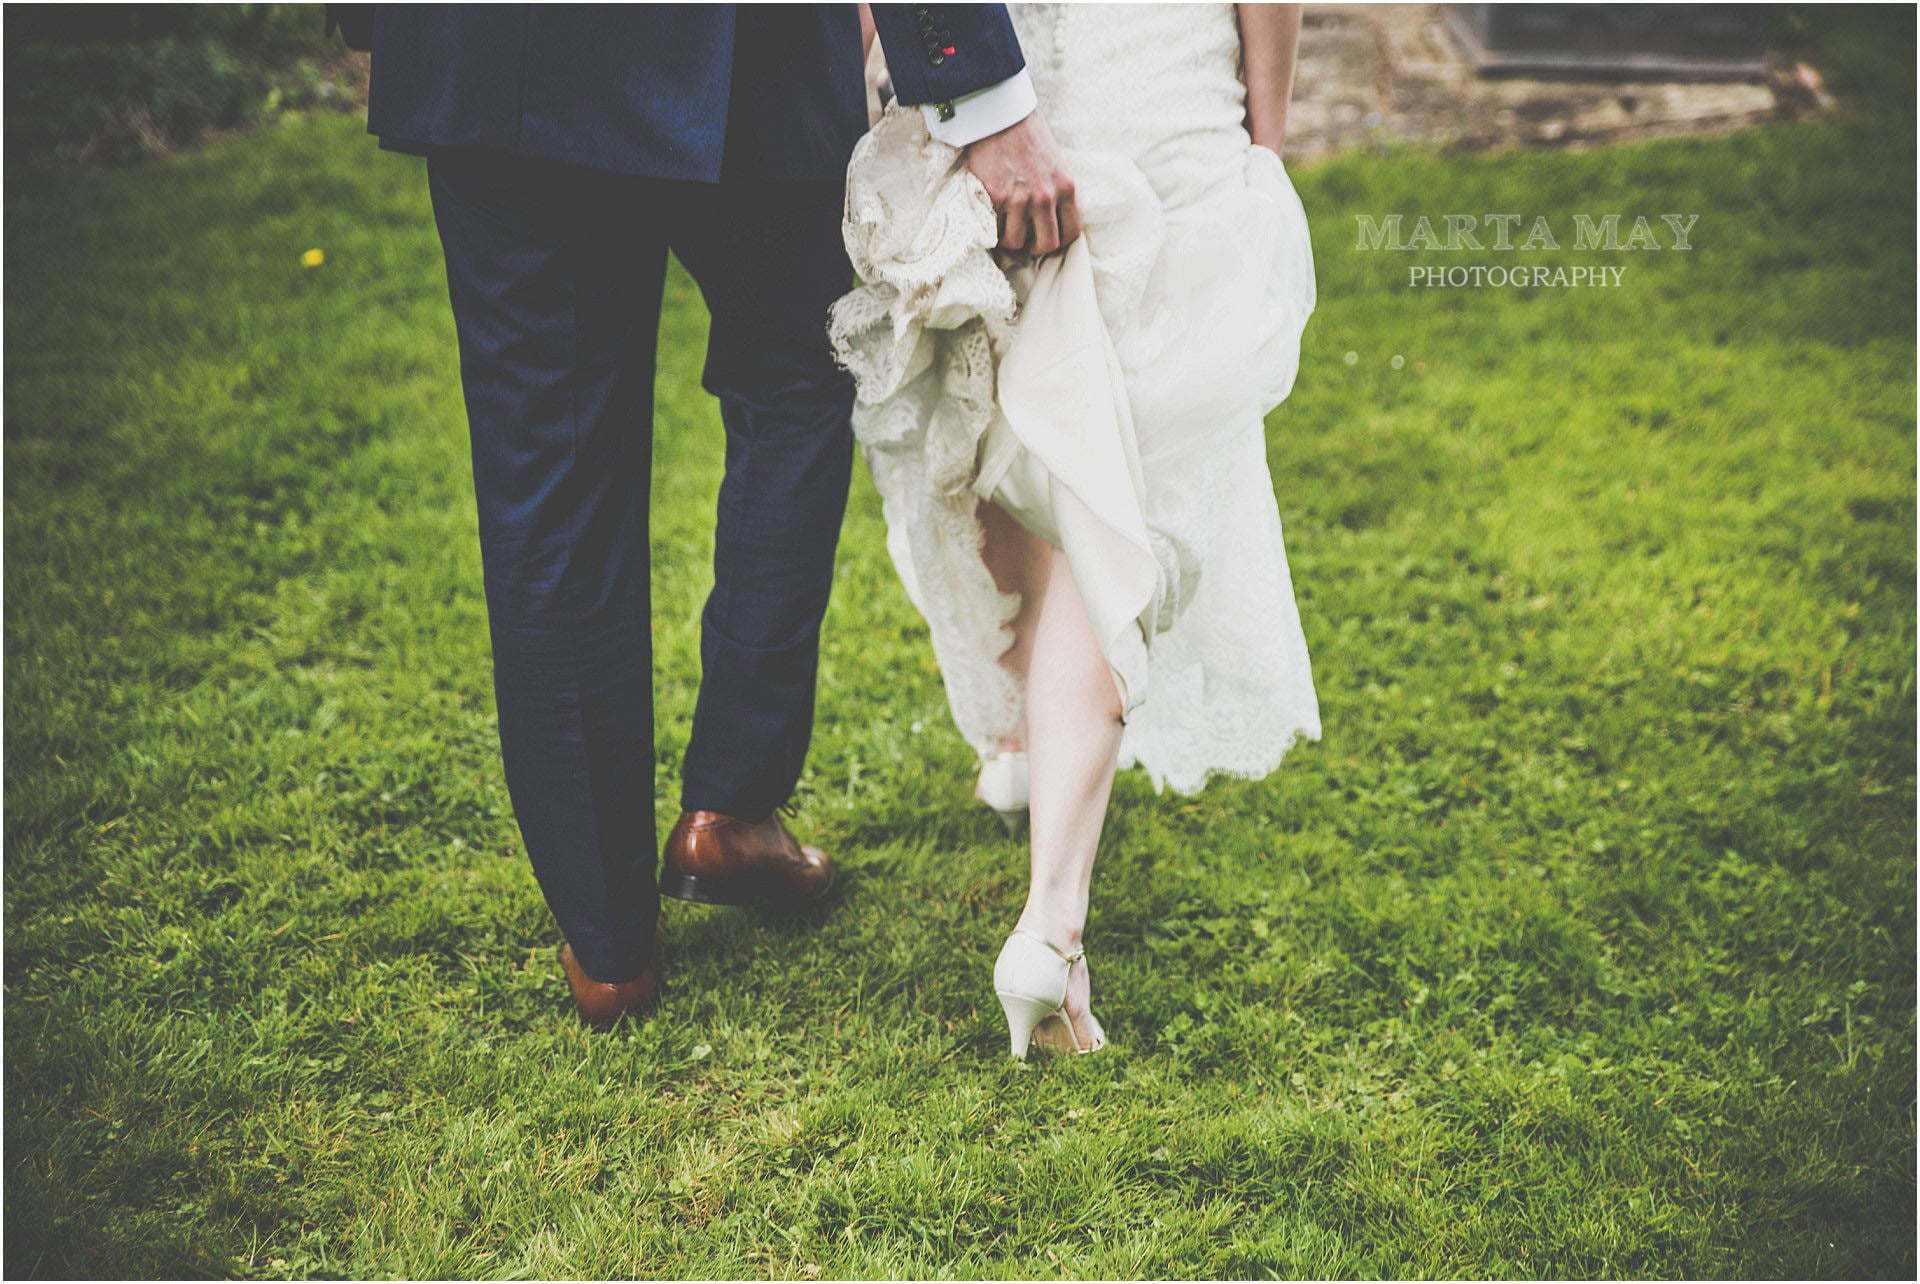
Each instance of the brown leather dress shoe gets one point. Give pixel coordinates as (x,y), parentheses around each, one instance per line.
(718,859)
(601,1003)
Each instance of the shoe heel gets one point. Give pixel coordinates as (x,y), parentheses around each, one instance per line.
(1002,786)
(1015,821)
(1024,1015)
(702,891)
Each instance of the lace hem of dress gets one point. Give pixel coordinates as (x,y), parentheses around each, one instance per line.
(922,335)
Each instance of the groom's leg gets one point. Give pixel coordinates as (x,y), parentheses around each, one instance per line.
(555,281)
(769,259)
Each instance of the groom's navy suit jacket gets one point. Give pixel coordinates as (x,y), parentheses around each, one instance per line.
(691,92)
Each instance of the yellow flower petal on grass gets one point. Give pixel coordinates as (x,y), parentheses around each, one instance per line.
(312,258)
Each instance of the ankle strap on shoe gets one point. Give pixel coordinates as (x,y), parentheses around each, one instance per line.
(1068,959)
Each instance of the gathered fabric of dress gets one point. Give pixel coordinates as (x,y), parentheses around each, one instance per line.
(1111,397)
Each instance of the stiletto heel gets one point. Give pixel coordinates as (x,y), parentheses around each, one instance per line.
(1030,979)
(1024,1015)
(1003,787)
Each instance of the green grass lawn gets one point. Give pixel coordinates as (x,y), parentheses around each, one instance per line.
(1581,946)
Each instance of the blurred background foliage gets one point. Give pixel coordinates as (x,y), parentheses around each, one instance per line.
(119,83)
(128,82)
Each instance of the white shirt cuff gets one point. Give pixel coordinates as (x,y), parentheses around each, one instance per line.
(984,111)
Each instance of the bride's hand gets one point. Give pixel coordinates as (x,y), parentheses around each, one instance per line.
(1027,179)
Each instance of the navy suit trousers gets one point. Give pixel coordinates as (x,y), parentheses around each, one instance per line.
(555,273)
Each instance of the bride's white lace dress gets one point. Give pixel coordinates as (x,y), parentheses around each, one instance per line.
(1196,275)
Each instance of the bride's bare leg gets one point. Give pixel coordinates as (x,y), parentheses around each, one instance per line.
(1073,733)
(1020,562)
(1073,743)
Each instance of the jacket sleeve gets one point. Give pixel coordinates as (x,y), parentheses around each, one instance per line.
(938,52)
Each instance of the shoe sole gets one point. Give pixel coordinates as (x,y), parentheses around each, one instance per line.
(721,891)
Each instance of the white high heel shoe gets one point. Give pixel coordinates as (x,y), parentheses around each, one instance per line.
(1003,787)
(1030,978)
